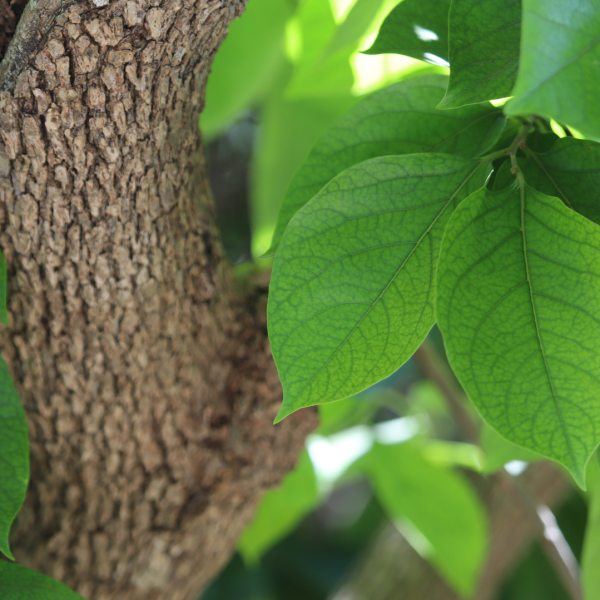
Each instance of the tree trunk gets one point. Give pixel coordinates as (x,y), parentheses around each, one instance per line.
(145,372)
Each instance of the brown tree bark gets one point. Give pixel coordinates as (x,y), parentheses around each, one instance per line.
(144,371)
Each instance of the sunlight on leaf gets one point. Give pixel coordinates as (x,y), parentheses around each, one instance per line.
(518,282)
(355,273)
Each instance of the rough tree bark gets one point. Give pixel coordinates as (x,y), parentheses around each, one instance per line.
(144,371)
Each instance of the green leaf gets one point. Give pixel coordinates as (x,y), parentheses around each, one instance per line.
(590,574)
(280,511)
(454,454)
(438,503)
(14,456)
(570,170)
(20,583)
(518,282)
(289,129)
(417,28)
(498,451)
(313,76)
(560,52)
(3,311)
(246,64)
(352,286)
(364,15)
(400,119)
(337,416)
(484,50)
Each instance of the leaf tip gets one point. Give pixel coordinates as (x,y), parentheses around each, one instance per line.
(577,471)
(445,103)
(5,549)
(282,414)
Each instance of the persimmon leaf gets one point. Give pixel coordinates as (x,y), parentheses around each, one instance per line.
(484,50)
(400,119)
(351,294)
(517,287)
(560,53)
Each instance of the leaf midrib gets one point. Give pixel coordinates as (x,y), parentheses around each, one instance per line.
(537,327)
(425,233)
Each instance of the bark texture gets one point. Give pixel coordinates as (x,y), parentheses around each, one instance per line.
(392,570)
(145,373)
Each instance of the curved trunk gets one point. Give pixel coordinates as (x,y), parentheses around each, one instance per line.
(144,371)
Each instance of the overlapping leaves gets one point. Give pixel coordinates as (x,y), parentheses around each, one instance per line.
(483,50)
(570,170)
(400,119)
(417,28)
(560,53)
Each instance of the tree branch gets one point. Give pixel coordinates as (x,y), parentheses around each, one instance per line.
(553,542)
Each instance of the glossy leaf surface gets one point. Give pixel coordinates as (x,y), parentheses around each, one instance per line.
(438,503)
(518,282)
(20,583)
(400,119)
(484,50)
(570,170)
(560,53)
(351,294)
(417,28)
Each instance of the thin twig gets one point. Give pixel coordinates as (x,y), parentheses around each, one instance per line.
(552,540)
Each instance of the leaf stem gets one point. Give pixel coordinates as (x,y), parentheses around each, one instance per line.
(519,142)
(491,157)
(551,538)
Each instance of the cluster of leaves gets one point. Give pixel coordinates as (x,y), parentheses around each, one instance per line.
(426,203)
(292,69)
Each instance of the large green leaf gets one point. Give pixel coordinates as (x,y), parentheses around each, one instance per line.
(14,455)
(246,64)
(351,295)
(484,50)
(560,53)
(20,583)
(436,501)
(417,28)
(590,579)
(570,170)
(517,289)
(400,119)
(280,511)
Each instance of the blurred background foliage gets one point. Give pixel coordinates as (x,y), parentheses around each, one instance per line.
(286,72)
